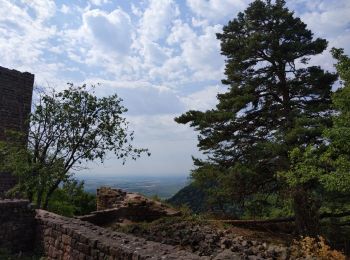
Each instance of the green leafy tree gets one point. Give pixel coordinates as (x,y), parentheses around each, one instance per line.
(66,129)
(275,101)
(323,170)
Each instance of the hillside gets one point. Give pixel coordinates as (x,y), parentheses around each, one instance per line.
(190,196)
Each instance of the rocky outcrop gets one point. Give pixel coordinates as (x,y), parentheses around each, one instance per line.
(205,240)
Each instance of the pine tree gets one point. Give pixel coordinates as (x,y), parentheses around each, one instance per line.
(275,102)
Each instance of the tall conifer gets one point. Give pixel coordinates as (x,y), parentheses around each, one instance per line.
(276,101)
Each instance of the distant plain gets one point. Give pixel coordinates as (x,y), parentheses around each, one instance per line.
(162,186)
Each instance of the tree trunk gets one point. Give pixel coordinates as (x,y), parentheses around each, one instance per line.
(49,194)
(39,198)
(306,209)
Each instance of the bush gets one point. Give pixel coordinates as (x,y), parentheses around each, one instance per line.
(71,200)
(308,247)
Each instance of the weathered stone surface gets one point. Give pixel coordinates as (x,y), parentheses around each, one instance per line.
(17,225)
(228,255)
(108,198)
(15,103)
(204,239)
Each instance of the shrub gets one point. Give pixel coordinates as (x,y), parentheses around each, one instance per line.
(308,247)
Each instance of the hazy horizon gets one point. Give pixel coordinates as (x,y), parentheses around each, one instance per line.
(162,186)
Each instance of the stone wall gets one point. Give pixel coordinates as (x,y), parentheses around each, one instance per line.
(15,103)
(65,238)
(17,225)
(56,237)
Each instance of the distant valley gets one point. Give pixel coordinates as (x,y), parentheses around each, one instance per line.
(162,186)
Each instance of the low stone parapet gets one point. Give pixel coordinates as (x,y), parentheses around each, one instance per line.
(65,238)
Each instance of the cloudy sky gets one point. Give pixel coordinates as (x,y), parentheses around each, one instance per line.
(160,56)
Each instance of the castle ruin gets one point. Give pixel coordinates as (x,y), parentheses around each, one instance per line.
(16,90)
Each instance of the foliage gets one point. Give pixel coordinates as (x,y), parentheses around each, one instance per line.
(66,129)
(330,163)
(324,170)
(308,247)
(275,102)
(190,196)
(71,200)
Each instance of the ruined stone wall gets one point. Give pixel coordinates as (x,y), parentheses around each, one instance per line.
(116,205)
(56,237)
(17,225)
(15,103)
(108,198)
(65,238)
(16,90)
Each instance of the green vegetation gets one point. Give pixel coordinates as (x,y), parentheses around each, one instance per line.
(190,196)
(66,129)
(71,200)
(277,142)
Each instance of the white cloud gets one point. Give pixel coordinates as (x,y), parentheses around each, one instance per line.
(180,32)
(157,18)
(217,10)
(44,9)
(329,22)
(109,31)
(65,9)
(154,25)
(104,40)
(154,54)
(203,99)
(25,36)
(197,58)
(203,53)
(135,10)
(173,71)
(99,2)
(159,127)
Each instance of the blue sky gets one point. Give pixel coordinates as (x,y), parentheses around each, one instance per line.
(160,56)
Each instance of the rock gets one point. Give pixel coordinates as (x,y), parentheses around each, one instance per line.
(228,255)
(236,248)
(226,243)
(254,257)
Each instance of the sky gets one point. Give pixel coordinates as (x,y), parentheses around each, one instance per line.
(160,56)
